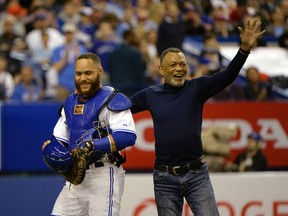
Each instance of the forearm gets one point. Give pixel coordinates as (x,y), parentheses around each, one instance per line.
(114,142)
(59,65)
(221,80)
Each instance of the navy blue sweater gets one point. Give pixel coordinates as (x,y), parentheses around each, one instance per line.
(177,113)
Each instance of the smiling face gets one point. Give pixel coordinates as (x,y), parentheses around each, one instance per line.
(174,68)
(87,76)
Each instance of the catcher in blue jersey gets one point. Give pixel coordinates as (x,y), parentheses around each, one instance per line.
(95,124)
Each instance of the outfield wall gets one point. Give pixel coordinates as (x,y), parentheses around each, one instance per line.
(25,127)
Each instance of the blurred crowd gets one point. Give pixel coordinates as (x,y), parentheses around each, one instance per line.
(40,40)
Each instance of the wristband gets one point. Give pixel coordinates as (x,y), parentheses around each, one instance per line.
(113,147)
(244,52)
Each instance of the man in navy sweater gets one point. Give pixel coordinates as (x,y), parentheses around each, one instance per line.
(176,107)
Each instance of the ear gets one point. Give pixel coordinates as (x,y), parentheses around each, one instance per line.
(161,71)
(101,71)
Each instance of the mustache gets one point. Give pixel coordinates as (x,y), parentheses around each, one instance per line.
(84,82)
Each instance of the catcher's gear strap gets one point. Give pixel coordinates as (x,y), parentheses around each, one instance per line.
(117,159)
(120,140)
(119,102)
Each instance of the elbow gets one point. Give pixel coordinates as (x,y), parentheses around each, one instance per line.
(133,138)
(124,139)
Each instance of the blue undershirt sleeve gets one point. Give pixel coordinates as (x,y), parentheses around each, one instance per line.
(121,139)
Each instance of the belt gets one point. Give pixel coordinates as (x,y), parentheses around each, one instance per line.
(95,164)
(180,170)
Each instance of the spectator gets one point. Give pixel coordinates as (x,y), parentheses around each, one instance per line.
(62,62)
(211,52)
(283,39)
(201,68)
(151,38)
(15,9)
(252,159)
(36,10)
(97,15)
(196,25)
(283,4)
(143,20)
(171,31)
(40,59)
(255,89)
(237,15)
(86,27)
(68,13)
(277,23)
(27,89)
(128,22)
(266,9)
(153,75)
(6,80)
(7,34)
(157,11)
(221,22)
(17,56)
(8,40)
(34,39)
(105,41)
(108,7)
(126,67)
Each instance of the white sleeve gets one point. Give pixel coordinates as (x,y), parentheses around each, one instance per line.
(9,84)
(61,130)
(118,121)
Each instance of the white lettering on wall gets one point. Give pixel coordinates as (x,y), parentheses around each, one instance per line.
(270,129)
(143,144)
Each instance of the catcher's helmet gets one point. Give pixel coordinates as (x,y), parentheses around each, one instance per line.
(56,156)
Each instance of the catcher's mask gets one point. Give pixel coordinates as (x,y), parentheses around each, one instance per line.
(56,156)
(100,130)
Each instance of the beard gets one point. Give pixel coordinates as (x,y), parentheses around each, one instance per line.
(95,85)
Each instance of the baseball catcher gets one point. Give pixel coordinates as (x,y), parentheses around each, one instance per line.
(71,161)
(72,164)
(95,123)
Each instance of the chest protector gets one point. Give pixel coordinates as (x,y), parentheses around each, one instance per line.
(80,115)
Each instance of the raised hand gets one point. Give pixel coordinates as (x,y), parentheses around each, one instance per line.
(250,33)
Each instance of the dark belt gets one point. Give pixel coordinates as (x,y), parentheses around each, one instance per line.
(180,170)
(96,164)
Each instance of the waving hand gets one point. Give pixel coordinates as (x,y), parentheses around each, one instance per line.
(250,33)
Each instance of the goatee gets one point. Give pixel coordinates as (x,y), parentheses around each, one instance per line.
(94,87)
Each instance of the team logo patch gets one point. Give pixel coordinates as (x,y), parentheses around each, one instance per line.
(79,109)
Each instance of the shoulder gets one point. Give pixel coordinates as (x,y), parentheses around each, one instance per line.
(54,32)
(196,82)
(119,102)
(32,33)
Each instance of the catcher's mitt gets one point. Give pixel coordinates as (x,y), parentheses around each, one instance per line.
(76,174)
